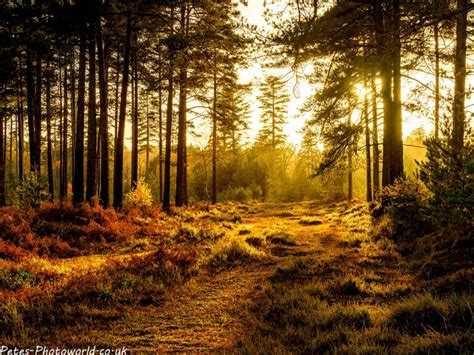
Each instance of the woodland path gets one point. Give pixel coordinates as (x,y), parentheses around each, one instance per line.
(211,312)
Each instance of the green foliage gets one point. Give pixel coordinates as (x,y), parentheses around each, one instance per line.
(450,177)
(30,192)
(406,203)
(140,196)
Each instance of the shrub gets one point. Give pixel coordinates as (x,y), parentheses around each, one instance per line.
(310,221)
(280,237)
(406,203)
(30,192)
(140,196)
(450,177)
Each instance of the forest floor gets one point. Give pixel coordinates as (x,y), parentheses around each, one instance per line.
(295,278)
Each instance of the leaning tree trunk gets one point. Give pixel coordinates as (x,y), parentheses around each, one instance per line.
(78,182)
(459,114)
(91,185)
(118,166)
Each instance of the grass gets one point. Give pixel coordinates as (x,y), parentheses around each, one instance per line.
(233,251)
(310,221)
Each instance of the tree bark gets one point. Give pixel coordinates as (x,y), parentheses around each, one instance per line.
(78,182)
(368,162)
(48,136)
(459,114)
(38,114)
(103,130)
(63,161)
(91,184)
(118,166)
(134,178)
(181,197)
(160,130)
(437,75)
(20,123)
(169,125)
(30,94)
(396,158)
(2,162)
(375,138)
(214,135)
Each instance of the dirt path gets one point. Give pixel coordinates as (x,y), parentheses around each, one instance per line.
(211,312)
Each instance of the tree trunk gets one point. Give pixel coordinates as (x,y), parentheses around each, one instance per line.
(169,125)
(118,166)
(78,182)
(368,162)
(214,135)
(181,198)
(160,130)
(459,114)
(30,94)
(2,162)
(73,114)
(134,178)
(147,150)
(437,75)
(48,136)
(396,158)
(103,129)
(350,189)
(63,161)
(375,138)
(37,130)
(20,124)
(91,185)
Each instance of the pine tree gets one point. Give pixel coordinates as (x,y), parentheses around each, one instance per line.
(273,104)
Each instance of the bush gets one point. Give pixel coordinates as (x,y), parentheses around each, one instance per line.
(140,196)
(30,192)
(450,177)
(406,203)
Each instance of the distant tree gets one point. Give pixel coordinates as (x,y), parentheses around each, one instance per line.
(273,105)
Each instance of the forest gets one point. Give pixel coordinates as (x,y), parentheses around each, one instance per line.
(236,176)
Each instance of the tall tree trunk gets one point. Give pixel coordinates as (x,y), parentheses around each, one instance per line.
(169,125)
(375,138)
(183,74)
(384,57)
(459,114)
(117,88)
(20,123)
(368,162)
(160,130)
(91,187)
(2,162)
(350,188)
(118,166)
(214,134)
(103,130)
(437,75)
(147,151)
(30,94)
(396,159)
(48,136)
(78,183)
(134,178)
(38,114)
(63,161)
(73,114)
